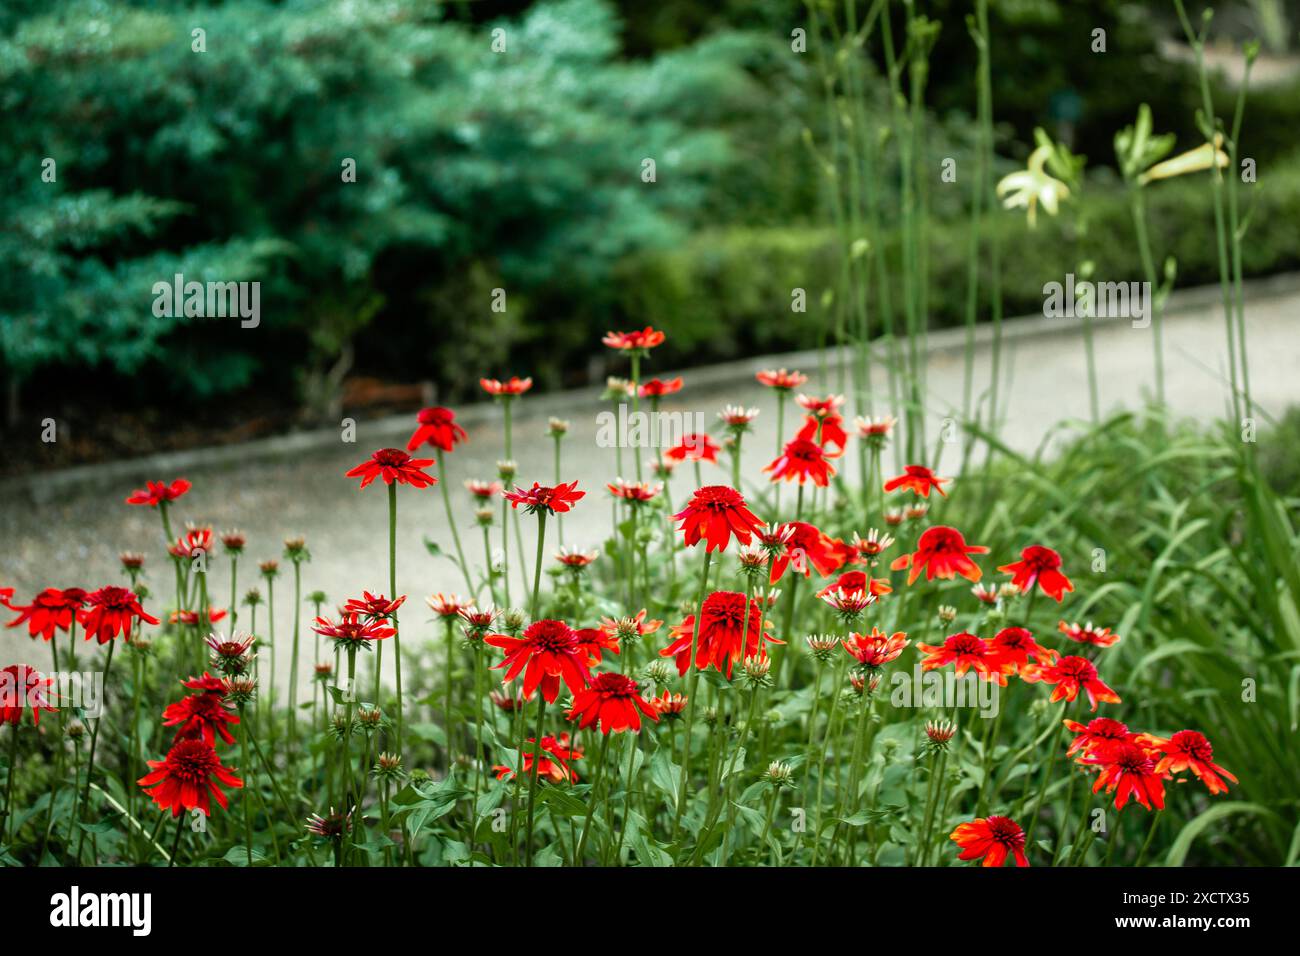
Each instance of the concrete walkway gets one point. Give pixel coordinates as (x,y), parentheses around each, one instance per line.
(65,529)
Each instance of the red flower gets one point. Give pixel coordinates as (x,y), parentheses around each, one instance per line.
(727,634)
(714,514)
(197,540)
(184,780)
(23,688)
(353,631)
(1128,770)
(393,464)
(110,611)
(1041,565)
(550,651)
(508,389)
(375,606)
(484,490)
(193,618)
(576,559)
(1012,647)
(1189,750)
(801,460)
(826,428)
(694,447)
(1096,636)
(1070,675)
(658,389)
(781,380)
(202,716)
(613,700)
(965,651)
(593,641)
(876,649)
(51,610)
(643,340)
(158,493)
(634,492)
(1098,738)
(554,770)
(990,839)
(942,552)
(555,500)
(855,582)
(809,548)
(438,428)
(668,704)
(918,479)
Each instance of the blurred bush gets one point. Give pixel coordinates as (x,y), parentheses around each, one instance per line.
(728,292)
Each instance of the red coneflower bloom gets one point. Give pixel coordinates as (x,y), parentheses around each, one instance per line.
(737,417)
(917,479)
(820,407)
(694,447)
(1098,738)
(875,428)
(22,688)
(1070,675)
(642,340)
(669,705)
(508,389)
(630,628)
(635,492)
(965,651)
(658,389)
(394,465)
(827,429)
(352,631)
(186,778)
(51,610)
(572,558)
(158,492)
(555,500)
(554,767)
(1189,750)
(614,702)
(871,546)
(727,634)
(437,426)
(809,549)
(485,490)
(6,595)
(233,540)
(196,541)
(780,379)
(990,839)
(802,460)
(876,649)
(1127,770)
(1012,647)
(941,552)
(854,582)
(547,653)
(202,716)
(448,605)
(110,611)
(1041,565)
(593,641)
(1096,636)
(714,514)
(374,606)
(194,618)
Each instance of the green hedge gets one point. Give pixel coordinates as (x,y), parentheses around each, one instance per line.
(728,292)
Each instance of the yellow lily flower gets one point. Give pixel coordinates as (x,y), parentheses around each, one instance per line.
(1032,185)
(1193,161)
